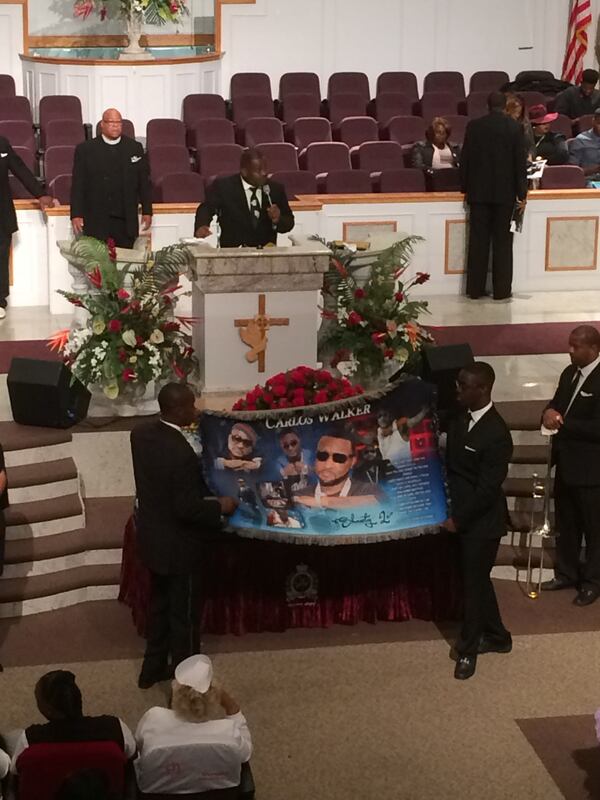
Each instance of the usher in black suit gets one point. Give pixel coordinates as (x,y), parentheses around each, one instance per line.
(174,513)
(477,464)
(10,162)
(493,170)
(109,182)
(576,452)
(226,198)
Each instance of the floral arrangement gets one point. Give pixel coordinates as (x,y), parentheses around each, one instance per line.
(154,12)
(302,386)
(371,324)
(132,336)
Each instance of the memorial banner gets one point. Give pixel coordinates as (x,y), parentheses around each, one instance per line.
(357,470)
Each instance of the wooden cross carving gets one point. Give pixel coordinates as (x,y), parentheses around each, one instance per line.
(253,332)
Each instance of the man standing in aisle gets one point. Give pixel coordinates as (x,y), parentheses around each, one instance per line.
(574,412)
(10,162)
(175,513)
(479,447)
(110,181)
(493,170)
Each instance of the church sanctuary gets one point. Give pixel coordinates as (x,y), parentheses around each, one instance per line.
(299,399)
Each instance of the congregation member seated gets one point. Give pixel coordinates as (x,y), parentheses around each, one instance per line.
(515,108)
(204,732)
(550,146)
(437,152)
(576,101)
(584,150)
(59,700)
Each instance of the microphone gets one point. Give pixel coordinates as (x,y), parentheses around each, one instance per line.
(267,190)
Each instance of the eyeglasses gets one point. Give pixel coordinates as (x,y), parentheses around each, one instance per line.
(112,121)
(290,445)
(240,440)
(337,458)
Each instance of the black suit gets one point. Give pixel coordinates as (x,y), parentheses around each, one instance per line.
(576,453)
(477,464)
(493,170)
(107,187)
(174,513)
(10,162)
(226,198)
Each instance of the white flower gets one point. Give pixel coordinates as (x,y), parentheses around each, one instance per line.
(157,336)
(128,337)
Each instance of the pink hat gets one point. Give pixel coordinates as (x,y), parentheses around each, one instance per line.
(538,115)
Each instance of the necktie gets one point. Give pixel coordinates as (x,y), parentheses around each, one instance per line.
(469,421)
(574,385)
(254,205)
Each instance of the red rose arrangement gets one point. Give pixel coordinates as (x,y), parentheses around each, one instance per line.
(301,386)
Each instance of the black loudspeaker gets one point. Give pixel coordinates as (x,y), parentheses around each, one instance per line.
(46,393)
(441,366)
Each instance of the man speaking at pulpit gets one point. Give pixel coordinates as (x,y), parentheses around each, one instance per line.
(250,208)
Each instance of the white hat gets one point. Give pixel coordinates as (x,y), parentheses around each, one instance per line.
(196,672)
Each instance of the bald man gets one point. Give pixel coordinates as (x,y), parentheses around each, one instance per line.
(110,180)
(574,413)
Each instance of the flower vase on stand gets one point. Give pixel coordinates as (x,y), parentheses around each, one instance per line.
(134,51)
(139,400)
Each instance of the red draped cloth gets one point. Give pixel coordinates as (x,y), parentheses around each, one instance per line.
(245,583)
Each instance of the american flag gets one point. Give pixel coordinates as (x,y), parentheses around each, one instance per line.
(579,20)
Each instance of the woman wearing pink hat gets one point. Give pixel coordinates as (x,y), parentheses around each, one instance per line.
(550,146)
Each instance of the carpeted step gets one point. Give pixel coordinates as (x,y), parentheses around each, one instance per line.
(529,454)
(98,533)
(521,487)
(44,517)
(19,589)
(522,415)
(24,437)
(520,521)
(517,556)
(63,469)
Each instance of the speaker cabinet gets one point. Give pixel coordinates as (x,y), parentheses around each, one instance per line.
(441,366)
(46,393)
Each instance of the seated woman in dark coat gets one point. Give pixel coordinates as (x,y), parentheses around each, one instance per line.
(550,146)
(436,152)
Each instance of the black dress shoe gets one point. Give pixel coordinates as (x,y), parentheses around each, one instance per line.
(586,597)
(148,678)
(555,584)
(488,645)
(465,667)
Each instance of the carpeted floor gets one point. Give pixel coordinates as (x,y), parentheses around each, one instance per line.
(32,348)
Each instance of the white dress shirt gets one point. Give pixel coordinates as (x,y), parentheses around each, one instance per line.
(477,415)
(179,757)
(248,191)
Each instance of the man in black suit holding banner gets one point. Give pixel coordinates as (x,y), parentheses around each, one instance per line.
(479,448)
(251,210)
(574,412)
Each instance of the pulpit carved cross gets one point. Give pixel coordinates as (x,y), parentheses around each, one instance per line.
(253,332)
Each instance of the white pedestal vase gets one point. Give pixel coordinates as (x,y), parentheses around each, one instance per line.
(134,51)
(139,401)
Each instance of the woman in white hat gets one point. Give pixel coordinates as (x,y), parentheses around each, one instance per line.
(198,744)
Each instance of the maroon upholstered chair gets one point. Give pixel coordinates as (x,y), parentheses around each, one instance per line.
(60,187)
(16,108)
(346,105)
(532,98)
(244,84)
(311,129)
(58,160)
(7,86)
(445,180)
(259,130)
(299,83)
(388,105)
(250,106)
(210,131)
(398,83)
(406,130)
(563,124)
(375,157)
(438,104)
(321,157)
(349,83)
(164,160)
(563,177)
(401,180)
(451,82)
(296,106)
(348,181)
(458,124)
(202,106)
(64,132)
(583,123)
(296,182)
(181,187)
(487,81)
(61,107)
(18,132)
(219,159)
(280,156)
(477,105)
(163,132)
(127,130)
(356,130)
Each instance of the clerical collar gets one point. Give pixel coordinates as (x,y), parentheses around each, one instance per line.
(110,141)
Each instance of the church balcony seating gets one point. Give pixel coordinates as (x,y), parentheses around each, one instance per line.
(341,83)
(404,83)
(346,105)
(292,83)
(197,107)
(7,86)
(299,106)
(584,123)
(393,181)
(18,132)
(563,177)
(214,160)
(458,125)
(296,182)
(280,156)
(61,107)
(58,160)
(253,84)
(323,157)
(60,187)
(181,187)
(438,104)
(261,130)
(392,104)
(166,159)
(375,157)
(532,98)
(210,131)
(405,131)
(445,81)
(64,132)
(445,180)
(477,104)
(17,190)
(348,181)
(307,130)
(488,81)
(162,132)
(353,131)
(563,124)
(16,108)
(250,106)
(128,128)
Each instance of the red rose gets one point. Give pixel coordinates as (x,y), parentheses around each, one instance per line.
(267,398)
(297,375)
(399,297)
(422,277)
(251,406)
(359,294)
(112,251)
(178,371)
(122,294)
(388,353)
(299,397)
(238,405)
(378,337)
(139,340)
(128,375)
(321,396)
(122,355)
(354,318)
(283,403)
(114,326)
(75,301)
(279,390)
(279,378)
